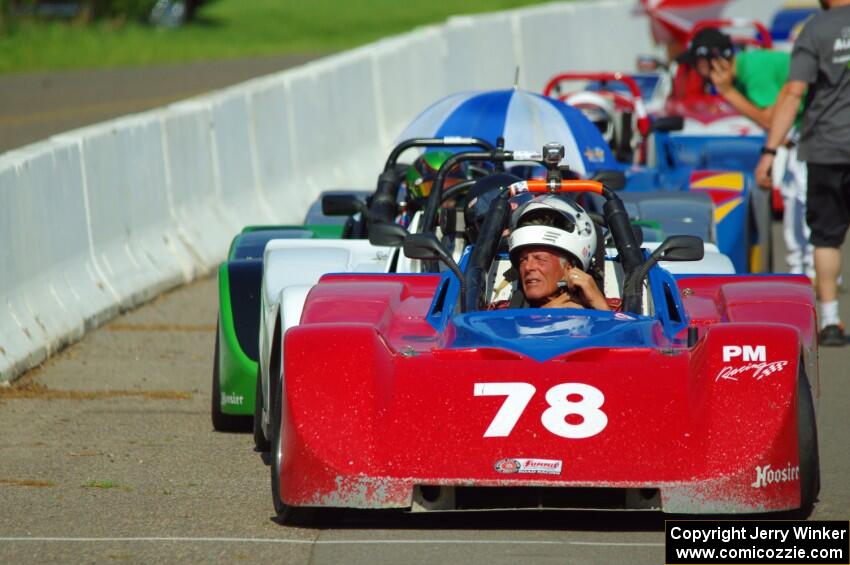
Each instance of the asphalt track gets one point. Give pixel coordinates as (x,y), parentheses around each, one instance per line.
(34,106)
(107,455)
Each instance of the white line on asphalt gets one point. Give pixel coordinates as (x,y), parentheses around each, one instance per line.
(329,542)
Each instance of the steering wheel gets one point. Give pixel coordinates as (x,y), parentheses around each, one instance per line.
(455,190)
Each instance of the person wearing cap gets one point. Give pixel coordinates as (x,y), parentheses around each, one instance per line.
(750,82)
(820,72)
(552,246)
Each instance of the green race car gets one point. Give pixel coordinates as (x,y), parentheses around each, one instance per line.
(235,362)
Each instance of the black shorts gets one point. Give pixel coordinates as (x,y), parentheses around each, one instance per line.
(828,204)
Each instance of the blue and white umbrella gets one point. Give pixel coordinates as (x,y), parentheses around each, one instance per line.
(526,120)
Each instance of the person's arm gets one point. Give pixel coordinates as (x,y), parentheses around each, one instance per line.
(722,78)
(784,116)
(583,284)
(785,112)
(761,116)
(805,63)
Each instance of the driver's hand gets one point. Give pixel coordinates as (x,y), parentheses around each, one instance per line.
(721,75)
(582,283)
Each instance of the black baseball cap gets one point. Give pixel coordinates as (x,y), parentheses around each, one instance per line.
(710,43)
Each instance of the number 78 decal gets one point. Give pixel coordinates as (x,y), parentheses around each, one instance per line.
(553,418)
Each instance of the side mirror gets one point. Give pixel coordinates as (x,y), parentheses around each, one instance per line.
(342,205)
(669,123)
(426,247)
(387,235)
(681,248)
(674,248)
(615,180)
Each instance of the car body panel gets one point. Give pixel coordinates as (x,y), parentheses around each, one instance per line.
(397,401)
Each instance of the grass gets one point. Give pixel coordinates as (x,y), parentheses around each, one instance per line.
(225,29)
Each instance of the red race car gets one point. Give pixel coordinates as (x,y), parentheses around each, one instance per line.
(618,101)
(408,392)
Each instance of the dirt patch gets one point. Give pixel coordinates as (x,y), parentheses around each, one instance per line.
(38,391)
(206,328)
(26,483)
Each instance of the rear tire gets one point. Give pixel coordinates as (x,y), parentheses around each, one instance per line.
(261,443)
(807,443)
(223,422)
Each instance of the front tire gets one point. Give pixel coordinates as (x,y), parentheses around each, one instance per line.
(261,443)
(286,514)
(222,422)
(807,443)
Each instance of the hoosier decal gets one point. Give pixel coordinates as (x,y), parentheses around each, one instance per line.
(231,399)
(767,476)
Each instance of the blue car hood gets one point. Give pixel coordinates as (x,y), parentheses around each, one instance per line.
(545,334)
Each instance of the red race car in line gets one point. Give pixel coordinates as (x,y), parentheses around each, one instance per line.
(405,391)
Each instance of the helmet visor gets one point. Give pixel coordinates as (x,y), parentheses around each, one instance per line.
(424,182)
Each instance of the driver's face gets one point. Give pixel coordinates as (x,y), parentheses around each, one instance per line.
(539,272)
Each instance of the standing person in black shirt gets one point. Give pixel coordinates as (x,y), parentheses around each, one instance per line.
(820,64)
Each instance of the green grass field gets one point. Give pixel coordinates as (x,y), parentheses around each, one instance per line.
(226,29)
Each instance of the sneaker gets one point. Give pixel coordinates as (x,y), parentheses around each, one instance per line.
(832,336)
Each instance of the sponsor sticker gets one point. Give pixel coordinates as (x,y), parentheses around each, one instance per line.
(746,352)
(231,399)
(533,466)
(755,363)
(766,475)
(594,154)
(527,156)
(757,371)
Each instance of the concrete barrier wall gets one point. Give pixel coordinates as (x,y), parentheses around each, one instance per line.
(410,74)
(52,288)
(97,220)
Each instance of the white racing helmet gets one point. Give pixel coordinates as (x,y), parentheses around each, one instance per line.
(598,109)
(551,221)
